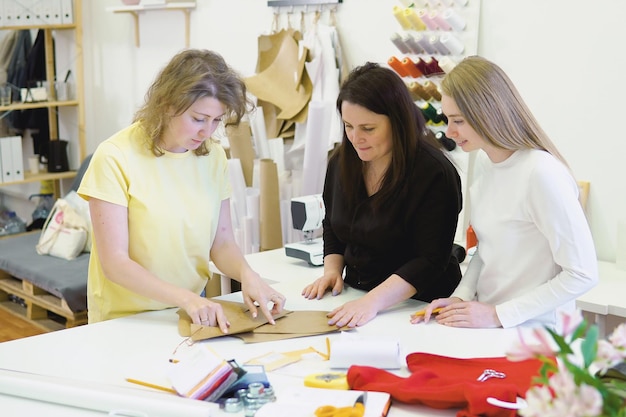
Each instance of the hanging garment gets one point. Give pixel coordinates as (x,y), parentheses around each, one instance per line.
(284,82)
(7,48)
(37,120)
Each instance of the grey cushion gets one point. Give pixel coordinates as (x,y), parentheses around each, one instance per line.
(65,279)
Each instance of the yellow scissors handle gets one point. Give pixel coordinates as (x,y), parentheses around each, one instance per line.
(331,411)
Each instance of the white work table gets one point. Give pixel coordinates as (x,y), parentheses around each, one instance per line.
(140,346)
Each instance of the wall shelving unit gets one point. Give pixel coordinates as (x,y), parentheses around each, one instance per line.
(77,137)
(135,11)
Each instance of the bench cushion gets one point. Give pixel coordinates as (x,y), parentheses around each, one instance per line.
(62,278)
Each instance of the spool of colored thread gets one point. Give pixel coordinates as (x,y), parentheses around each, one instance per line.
(415,47)
(437,45)
(429,111)
(417,90)
(425,17)
(400,44)
(410,67)
(432,66)
(447,143)
(422,41)
(398,12)
(442,116)
(397,66)
(470,238)
(432,90)
(421,65)
(437,17)
(412,17)
(413,94)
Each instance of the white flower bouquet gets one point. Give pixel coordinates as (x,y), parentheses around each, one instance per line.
(573,380)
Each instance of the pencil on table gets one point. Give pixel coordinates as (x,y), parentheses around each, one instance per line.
(422,312)
(149,385)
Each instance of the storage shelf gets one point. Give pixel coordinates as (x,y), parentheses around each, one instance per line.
(75,134)
(186,8)
(58,26)
(38,105)
(41,176)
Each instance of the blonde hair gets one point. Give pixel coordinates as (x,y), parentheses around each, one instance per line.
(191,75)
(493,107)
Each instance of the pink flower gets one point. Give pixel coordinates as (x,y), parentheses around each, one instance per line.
(539,400)
(570,322)
(607,356)
(523,350)
(562,398)
(618,337)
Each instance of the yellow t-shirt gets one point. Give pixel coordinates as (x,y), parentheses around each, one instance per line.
(173,206)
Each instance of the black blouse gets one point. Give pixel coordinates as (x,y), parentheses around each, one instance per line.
(412,236)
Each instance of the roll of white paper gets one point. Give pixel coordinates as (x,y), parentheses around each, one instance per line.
(384,354)
(315,150)
(259,133)
(100,397)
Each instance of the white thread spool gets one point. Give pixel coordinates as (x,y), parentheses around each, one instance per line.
(446,64)
(455,21)
(452,44)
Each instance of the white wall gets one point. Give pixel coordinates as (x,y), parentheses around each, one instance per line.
(562,54)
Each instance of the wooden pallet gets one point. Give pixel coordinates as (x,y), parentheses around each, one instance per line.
(40,307)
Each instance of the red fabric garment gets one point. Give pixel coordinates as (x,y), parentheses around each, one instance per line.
(445,382)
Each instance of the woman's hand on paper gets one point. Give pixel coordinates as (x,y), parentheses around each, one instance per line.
(257,294)
(330,281)
(353,313)
(459,313)
(438,304)
(205,312)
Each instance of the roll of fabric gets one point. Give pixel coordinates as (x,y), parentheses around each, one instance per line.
(100,397)
(383,354)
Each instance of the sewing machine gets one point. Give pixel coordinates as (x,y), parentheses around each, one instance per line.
(307,213)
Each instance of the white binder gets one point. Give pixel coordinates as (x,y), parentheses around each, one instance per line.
(11,10)
(67,12)
(17,158)
(24,15)
(51,12)
(6,156)
(57,15)
(2,17)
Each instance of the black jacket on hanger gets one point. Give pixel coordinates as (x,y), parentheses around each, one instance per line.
(26,75)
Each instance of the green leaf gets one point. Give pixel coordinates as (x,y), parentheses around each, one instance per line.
(560,341)
(581,330)
(589,346)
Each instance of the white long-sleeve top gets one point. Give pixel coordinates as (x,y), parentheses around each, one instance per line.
(535,252)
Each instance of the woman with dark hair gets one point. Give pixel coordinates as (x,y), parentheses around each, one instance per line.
(392,201)
(158,194)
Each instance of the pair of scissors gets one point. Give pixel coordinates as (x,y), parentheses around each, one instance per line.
(357,410)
